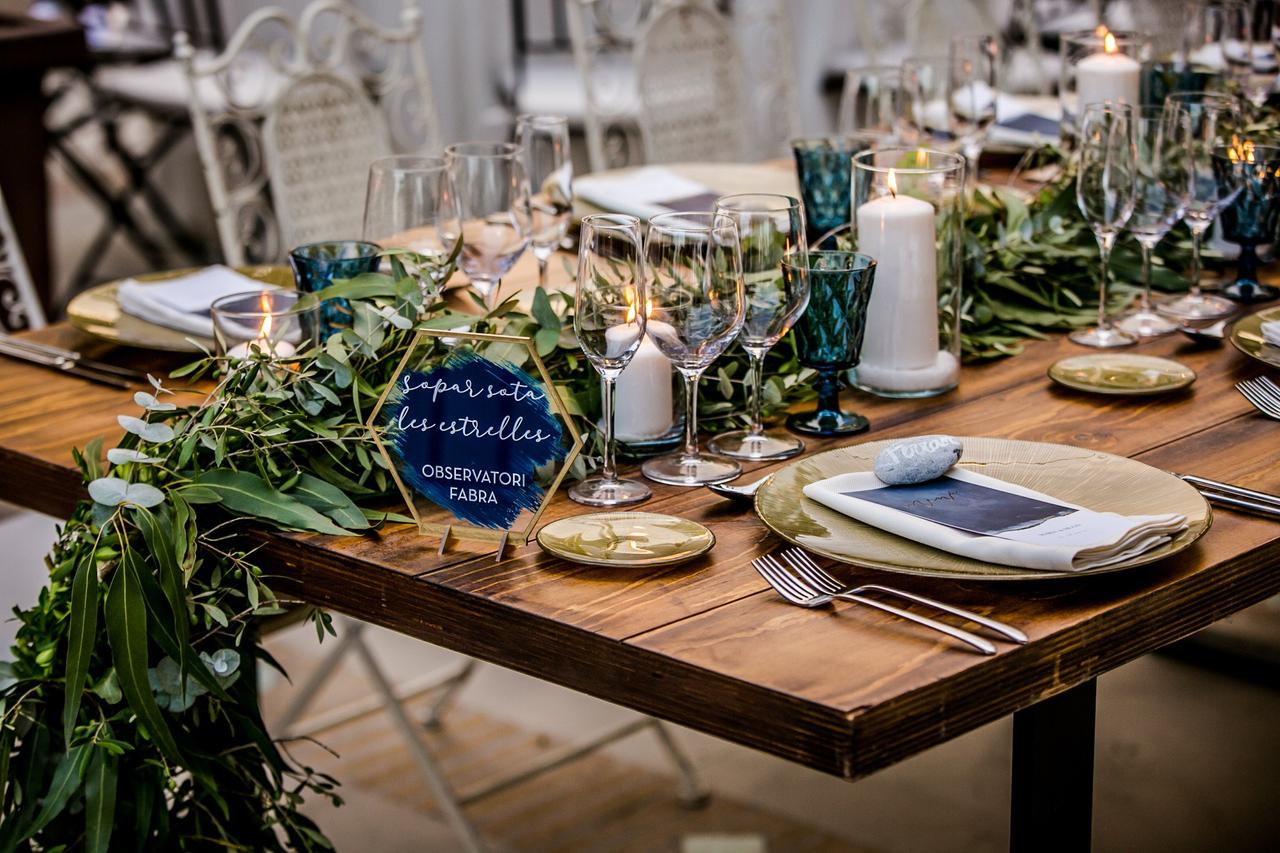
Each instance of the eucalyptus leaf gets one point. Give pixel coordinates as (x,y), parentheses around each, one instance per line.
(156,433)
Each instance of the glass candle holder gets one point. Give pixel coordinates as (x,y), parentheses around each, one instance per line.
(909,215)
(824,168)
(1098,65)
(266,322)
(1252,219)
(317,265)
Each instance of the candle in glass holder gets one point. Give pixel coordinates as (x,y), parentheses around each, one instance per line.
(900,350)
(643,409)
(263,343)
(1108,75)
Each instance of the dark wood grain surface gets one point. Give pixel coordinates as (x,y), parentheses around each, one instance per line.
(707,644)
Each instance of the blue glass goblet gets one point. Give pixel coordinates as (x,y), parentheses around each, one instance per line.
(317,265)
(829,335)
(1253,217)
(824,167)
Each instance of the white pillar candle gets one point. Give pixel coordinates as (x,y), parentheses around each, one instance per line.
(642,407)
(618,339)
(1108,76)
(279,349)
(900,348)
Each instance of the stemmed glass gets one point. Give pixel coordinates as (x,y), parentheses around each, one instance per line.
(769,228)
(406,203)
(491,192)
(1105,185)
(609,320)
(871,102)
(972,89)
(1251,27)
(1217,36)
(1212,118)
(545,140)
(925,116)
(1162,186)
(693,268)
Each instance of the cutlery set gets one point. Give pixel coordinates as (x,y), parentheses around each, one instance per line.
(70,362)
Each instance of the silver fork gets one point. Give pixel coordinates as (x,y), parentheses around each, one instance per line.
(798,592)
(1263,394)
(817,577)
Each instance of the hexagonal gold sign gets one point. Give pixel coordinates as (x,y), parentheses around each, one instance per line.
(476,444)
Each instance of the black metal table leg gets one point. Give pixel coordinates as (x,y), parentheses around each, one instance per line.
(1052,809)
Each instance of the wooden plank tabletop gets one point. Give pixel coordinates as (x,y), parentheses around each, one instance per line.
(707,644)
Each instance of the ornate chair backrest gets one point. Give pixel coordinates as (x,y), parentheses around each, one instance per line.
(334,64)
(689,75)
(765,35)
(602,34)
(19,302)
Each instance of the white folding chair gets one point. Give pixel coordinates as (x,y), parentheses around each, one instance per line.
(19,303)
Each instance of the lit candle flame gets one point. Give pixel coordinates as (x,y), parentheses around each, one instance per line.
(1109,43)
(893,183)
(264,332)
(648,308)
(922,158)
(1101,30)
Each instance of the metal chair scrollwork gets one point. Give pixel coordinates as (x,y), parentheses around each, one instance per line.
(19,304)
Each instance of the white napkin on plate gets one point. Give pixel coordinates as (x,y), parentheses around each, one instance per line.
(182,303)
(1069,543)
(1271,332)
(644,192)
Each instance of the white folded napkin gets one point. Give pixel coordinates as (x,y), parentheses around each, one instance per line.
(1069,542)
(645,192)
(1271,332)
(182,303)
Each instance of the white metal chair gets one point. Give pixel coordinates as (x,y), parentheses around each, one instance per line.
(258,106)
(19,303)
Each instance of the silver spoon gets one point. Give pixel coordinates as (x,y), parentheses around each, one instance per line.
(1214,333)
(739,493)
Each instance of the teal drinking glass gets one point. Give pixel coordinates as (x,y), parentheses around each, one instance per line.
(829,335)
(1252,219)
(318,265)
(824,168)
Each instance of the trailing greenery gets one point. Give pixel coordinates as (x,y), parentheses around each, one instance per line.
(129,712)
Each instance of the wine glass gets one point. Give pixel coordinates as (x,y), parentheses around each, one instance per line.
(1212,118)
(693,269)
(972,91)
(491,211)
(1105,186)
(1216,36)
(545,140)
(769,228)
(1162,187)
(609,321)
(405,204)
(925,116)
(870,103)
(1251,26)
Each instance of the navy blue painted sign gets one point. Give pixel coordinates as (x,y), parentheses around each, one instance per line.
(469,434)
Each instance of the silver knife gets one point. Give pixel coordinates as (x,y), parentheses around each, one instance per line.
(71,355)
(64,365)
(1204,483)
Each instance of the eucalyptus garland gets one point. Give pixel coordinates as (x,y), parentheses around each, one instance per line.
(129,712)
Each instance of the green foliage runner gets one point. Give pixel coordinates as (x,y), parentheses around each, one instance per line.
(129,712)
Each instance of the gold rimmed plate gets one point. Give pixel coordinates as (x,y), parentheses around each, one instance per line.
(97,311)
(1089,478)
(1121,374)
(626,539)
(1246,336)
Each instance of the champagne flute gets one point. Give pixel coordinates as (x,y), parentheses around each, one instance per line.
(545,140)
(1162,187)
(1105,186)
(405,205)
(693,272)
(972,91)
(1212,118)
(609,321)
(770,227)
(491,211)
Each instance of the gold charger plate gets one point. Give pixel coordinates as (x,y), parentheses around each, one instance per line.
(97,312)
(1122,374)
(1246,336)
(626,539)
(1100,481)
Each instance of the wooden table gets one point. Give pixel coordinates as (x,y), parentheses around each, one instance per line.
(709,646)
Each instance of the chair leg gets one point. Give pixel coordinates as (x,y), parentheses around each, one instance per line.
(449,693)
(440,788)
(319,675)
(693,793)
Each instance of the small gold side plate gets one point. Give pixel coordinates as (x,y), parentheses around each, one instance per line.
(626,539)
(1122,374)
(1246,336)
